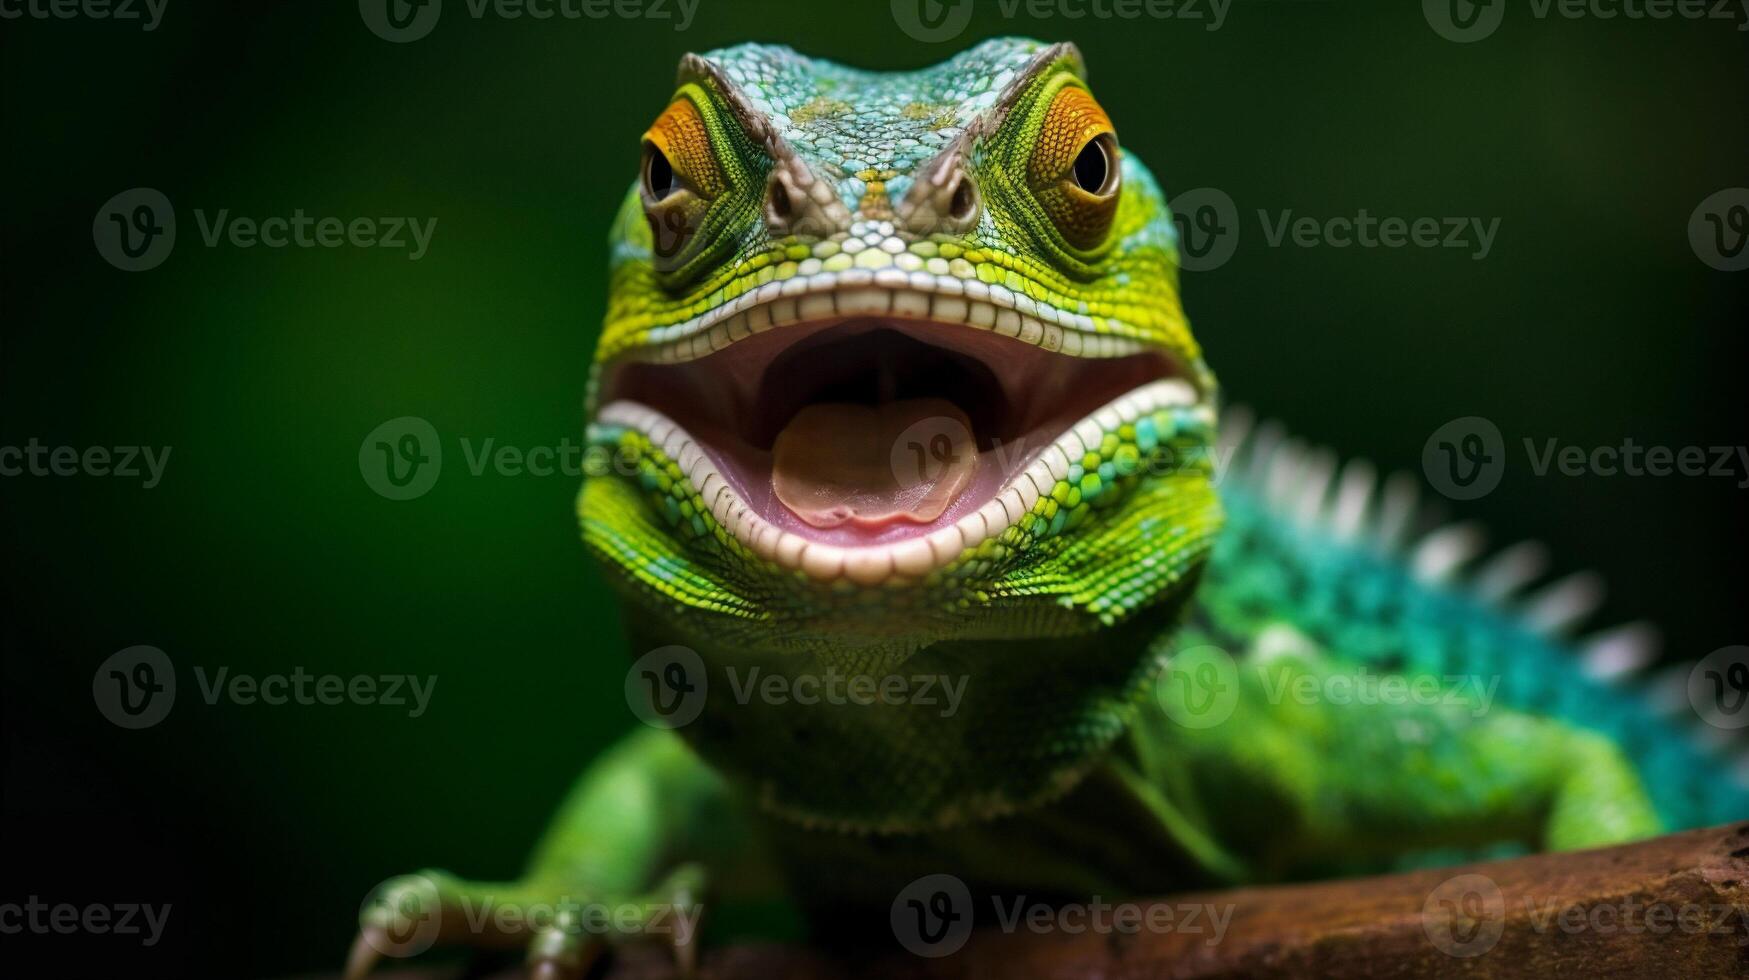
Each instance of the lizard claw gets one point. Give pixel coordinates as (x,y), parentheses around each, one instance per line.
(402,917)
(684,888)
(363,954)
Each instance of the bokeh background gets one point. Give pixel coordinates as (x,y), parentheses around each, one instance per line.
(263,549)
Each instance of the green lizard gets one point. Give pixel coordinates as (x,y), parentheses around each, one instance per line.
(895,390)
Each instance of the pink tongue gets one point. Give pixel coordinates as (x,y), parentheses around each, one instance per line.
(874,464)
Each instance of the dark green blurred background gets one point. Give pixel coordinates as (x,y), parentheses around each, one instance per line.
(263,549)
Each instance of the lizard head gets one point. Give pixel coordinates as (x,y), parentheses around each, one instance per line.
(893,358)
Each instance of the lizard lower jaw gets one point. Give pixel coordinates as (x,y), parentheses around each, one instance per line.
(866,446)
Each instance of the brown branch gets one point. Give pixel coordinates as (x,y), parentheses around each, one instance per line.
(1677,906)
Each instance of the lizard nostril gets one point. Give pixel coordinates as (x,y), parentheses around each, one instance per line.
(964,203)
(779,208)
(942,205)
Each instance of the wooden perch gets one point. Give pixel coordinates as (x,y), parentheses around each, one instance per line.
(1677,906)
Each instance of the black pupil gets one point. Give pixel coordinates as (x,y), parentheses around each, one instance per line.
(1090,167)
(660,175)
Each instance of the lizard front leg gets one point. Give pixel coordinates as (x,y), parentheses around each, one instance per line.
(1317,765)
(616,865)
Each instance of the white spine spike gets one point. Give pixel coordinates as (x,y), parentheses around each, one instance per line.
(1620,652)
(1397,513)
(1283,474)
(1353,499)
(1561,606)
(1440,554)
(1315,477)
(1505,574)
(1235,427)
(1265,441)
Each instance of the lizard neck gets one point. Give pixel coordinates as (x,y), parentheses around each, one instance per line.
(889,740)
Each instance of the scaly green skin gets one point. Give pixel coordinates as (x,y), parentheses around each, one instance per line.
(1079,763)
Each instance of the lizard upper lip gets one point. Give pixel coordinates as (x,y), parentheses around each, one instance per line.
(734,402)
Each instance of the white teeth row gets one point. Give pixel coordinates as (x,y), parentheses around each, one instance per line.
(912,558)
(884,292)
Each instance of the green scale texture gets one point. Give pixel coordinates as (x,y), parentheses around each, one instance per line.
(854,126)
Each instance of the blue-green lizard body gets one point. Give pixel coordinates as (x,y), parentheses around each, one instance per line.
(1180,661)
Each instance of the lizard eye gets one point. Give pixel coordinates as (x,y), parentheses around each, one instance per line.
(678,181)
(659,177)
(1074,170)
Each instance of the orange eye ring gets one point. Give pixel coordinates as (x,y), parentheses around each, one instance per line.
(678,179)
(678,148)
(1075,170)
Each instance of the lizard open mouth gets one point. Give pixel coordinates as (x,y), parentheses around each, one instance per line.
(865,442)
